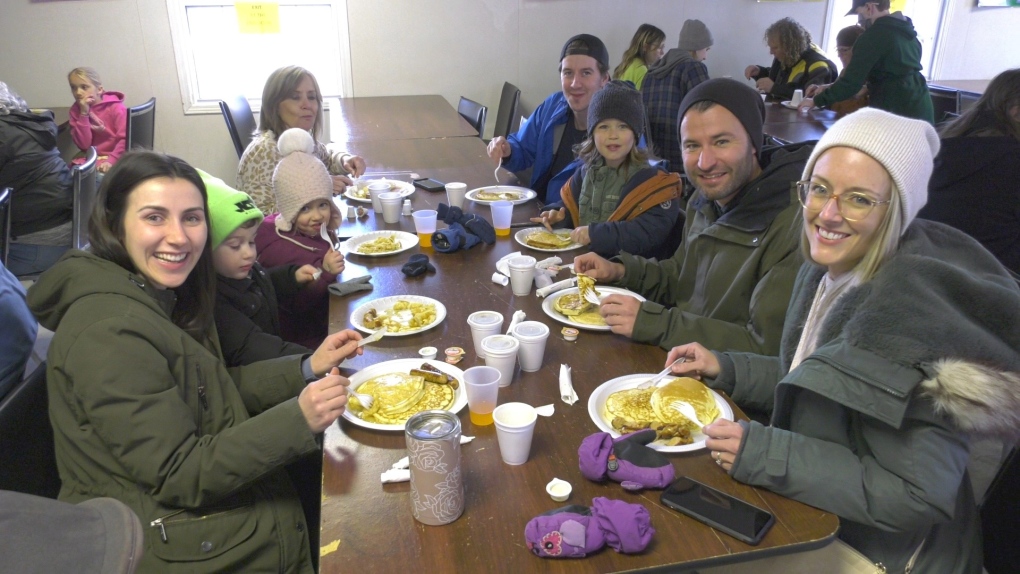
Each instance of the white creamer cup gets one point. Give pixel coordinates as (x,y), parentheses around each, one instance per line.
(455,193)
(532,336)
(501,352)
(522,274)
(483,324)
(515,427)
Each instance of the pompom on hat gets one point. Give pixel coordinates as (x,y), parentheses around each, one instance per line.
(228,209)
(694,36)
(905,147)
(617,101)
(300,178)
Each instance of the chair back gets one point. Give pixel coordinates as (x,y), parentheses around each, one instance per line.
(84,189)
(509,100)
(1000,528)
(944,101)
(474,113)
(240,122)
(27,457)
(5,223)
(141,129)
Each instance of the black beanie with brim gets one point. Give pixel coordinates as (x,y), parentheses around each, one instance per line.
(740,99)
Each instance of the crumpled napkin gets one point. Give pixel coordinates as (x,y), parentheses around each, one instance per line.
(503,265)
(517,318)
(401,471)
(557,286)
(567,392)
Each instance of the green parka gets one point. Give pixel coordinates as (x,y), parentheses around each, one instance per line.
(729,283)
(143,413)
(888,57)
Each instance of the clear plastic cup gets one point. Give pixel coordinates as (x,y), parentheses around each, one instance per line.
(502,213)
(482,387)
(425,225)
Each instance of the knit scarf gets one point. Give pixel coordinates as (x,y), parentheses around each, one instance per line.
(829,291)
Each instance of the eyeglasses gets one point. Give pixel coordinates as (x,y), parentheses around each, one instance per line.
(852,206)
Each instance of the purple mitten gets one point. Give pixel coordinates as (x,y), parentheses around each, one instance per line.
(568,532)
(627,527)
(626,460)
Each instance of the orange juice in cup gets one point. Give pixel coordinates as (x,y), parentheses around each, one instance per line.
(425,225)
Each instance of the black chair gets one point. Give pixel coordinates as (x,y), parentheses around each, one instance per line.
(141,129)
(944,101)
(28,461)
(999,525)
(474,113)
(84,190)
(240,122)
(5,223)
(506,115)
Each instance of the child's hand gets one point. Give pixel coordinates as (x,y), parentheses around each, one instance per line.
(104,166)
(333,262)
(580,235)
(305,274)
(551,217)
(85,103)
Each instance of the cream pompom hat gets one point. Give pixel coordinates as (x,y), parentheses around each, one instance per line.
(300,178)
(905,147)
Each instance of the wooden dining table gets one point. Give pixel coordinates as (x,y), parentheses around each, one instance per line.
(791,126)
(384,118)
(368,526)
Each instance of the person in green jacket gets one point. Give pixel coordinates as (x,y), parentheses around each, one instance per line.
(901,346)
(731,278)
(888,57)
(142,406)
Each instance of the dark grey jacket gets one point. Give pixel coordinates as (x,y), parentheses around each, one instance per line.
(31,164)
(875,425)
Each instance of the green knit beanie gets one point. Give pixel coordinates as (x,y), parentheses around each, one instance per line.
(228,209)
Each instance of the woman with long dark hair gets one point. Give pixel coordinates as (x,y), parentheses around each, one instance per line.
(142,406)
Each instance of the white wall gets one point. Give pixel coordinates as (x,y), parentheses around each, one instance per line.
(449,47)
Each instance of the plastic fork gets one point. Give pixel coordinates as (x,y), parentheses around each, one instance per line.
(685,408)
(591,297)
(324,233)
(662,375)
(373,337)
(365,400)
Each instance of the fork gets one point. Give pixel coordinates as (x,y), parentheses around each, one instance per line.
(662,375)
(685,408)
(373,337)
(365,400)
(591,297)
(324,233)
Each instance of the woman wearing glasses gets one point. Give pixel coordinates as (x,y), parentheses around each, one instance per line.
(900,345)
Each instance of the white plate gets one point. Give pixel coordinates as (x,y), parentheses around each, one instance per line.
(385,303)
(788,104)
(526,194)
(406,240)
(402,187)
(597,401)
(523,234)
(404,366)
(547,306)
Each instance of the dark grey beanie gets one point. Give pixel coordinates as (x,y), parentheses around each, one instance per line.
(740,99)
(617,101)
(694,36)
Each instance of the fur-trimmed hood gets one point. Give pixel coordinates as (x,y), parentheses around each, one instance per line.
(978,399)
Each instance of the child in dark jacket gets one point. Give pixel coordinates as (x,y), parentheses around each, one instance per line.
(98,118)
(615,201)
(304,202)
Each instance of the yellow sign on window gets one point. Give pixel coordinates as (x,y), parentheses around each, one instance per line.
(258,17)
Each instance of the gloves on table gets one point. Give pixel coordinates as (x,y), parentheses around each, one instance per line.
(417,265)
(575,531)
(453,238)
(626,460)
(472,223)
(342,288)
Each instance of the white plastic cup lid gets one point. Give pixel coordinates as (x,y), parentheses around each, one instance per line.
(485,318)
(500,345)
(528,330)
(522,262)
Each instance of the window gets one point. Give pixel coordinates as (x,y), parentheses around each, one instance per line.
(214,59)
(925,14)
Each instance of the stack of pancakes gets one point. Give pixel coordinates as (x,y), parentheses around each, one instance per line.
(652,405)
(397,396)
(547,240)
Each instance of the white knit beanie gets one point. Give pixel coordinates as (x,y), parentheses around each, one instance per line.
(300,178)
(905,147)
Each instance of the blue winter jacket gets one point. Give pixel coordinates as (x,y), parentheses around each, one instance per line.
(533,144)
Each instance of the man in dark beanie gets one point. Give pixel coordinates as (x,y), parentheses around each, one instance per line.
(546,141)
(731,279)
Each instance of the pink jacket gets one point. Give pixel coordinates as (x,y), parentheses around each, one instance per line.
(105,127)
(304,318)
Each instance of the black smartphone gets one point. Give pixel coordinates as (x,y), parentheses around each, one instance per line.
(429,184)
(718,510)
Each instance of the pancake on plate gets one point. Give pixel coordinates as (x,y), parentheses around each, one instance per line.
(546,240)
(397,396)
(631,410)
(496,195)
(578,310)
(688,390)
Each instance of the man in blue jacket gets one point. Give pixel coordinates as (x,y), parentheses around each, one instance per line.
(545,142)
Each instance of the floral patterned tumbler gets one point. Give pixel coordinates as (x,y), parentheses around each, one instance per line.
(437,487)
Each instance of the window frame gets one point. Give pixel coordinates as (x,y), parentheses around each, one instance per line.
(185,56)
